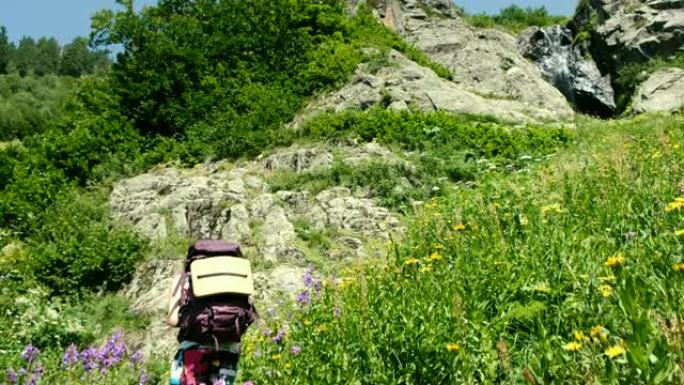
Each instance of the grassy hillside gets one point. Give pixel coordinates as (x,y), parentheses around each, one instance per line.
(536,255)
(571,271)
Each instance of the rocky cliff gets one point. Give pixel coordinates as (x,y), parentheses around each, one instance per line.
(629,31)
(485,63)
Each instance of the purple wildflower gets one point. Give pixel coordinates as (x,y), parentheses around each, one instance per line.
(267,332)
(30,353)
(137,359)
(70,357)
(308,277)
(12,376)
(21,372)
(279,337)
(143,378)
(303,298)
(248,383)
(295,350)
(88,359)
(220,381)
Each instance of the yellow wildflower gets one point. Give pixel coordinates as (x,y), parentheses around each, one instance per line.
(556,208)
(425,269)
(614,351)
(452,347)
(606,291)
(579,336)
(411,261)
(678,204)
(599,331)
(435,257)
(679,233)
(678,267)
(609,278)
(276,357)
(572,346)
(439,246)
(616,260)
(307,322)
(321,328)
(459,227)
(288,365)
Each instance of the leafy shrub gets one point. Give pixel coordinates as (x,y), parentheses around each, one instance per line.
(77,247)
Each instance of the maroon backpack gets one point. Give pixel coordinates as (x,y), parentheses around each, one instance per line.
(216,319)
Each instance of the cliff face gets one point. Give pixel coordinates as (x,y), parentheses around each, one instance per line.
(483,61)
(629,31)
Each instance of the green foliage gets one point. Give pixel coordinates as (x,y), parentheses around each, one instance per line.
(30,105)
(5,50)
(515,19)
(439,134)
(77,246)
(521,277)
(78,59)
(182,62)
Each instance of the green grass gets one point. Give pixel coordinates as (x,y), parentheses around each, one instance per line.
(519,271)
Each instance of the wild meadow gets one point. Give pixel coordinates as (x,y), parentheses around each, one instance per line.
(569,271)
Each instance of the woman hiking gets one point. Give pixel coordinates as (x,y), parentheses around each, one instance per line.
(209,302)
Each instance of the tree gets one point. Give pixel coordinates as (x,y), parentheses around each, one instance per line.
(48,53)
(5,50)
(25,56)
(76,58)
(184,59)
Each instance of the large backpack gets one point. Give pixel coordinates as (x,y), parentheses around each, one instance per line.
(215,306)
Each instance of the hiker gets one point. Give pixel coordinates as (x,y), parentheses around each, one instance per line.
(209,302)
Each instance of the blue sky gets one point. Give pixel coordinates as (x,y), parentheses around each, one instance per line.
(66,19)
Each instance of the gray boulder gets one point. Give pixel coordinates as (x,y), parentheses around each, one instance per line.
(662,92)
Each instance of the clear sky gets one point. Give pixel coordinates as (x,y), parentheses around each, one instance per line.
(66,19)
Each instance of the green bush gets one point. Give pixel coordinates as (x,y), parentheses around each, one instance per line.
(78,247)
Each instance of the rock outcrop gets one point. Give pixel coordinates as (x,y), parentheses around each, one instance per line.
(662,92)
(485,62)
(630,31)
(234,202)
(221,201)
(569,67)
(403,84)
